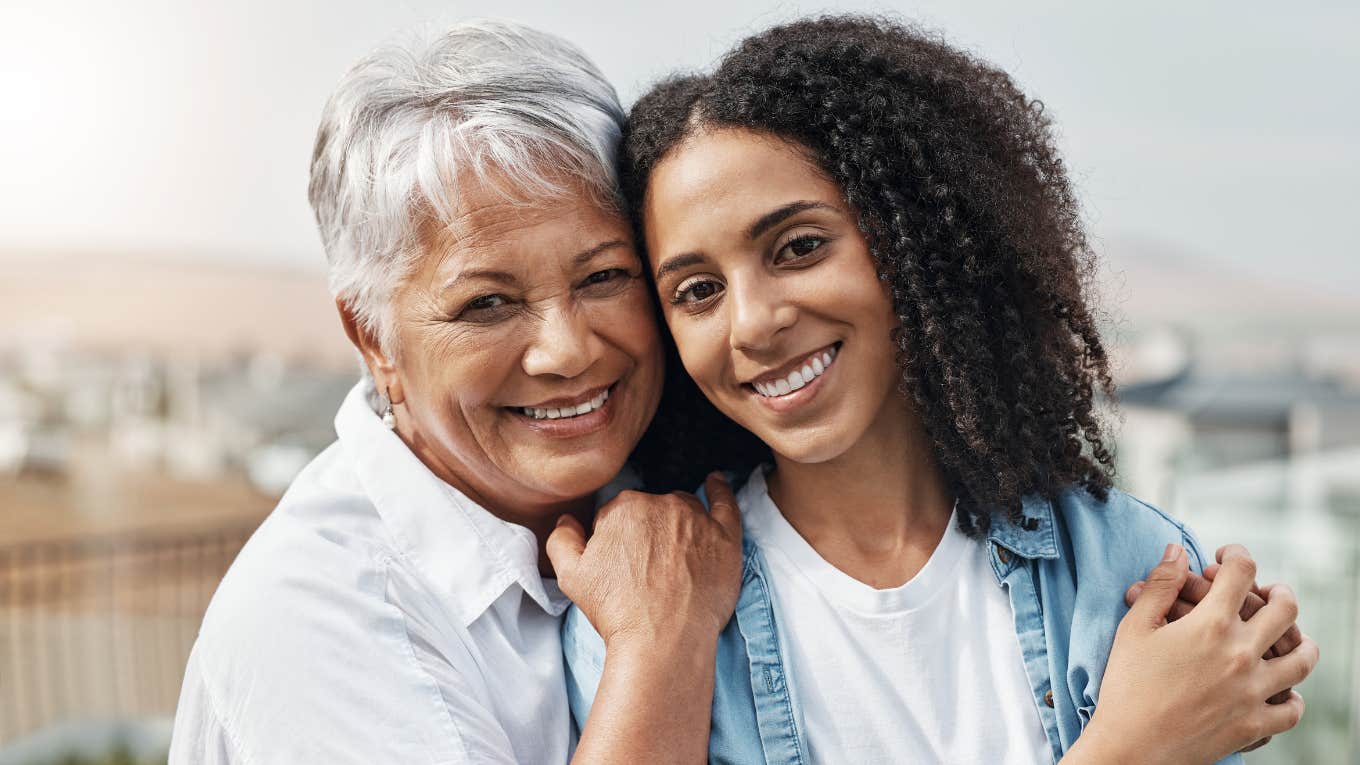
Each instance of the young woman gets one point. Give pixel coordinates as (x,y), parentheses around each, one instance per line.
(872,266)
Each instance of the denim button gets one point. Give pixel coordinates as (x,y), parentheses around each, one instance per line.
(1003,554)
(1048,698)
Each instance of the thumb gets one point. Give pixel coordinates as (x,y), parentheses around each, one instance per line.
(722,505)
(565,545)
(1161,588)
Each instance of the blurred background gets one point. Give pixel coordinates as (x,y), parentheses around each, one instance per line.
(170,357)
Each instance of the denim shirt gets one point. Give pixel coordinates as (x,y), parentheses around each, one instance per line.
(1065,576)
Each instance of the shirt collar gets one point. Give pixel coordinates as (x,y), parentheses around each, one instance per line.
(1035,538)
(470,555)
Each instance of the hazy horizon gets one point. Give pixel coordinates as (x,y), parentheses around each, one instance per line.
(151,127)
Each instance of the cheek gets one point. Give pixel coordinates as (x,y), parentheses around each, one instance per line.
(457,371)
(703,346)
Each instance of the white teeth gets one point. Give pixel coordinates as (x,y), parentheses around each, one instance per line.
(566,411)
(798,378)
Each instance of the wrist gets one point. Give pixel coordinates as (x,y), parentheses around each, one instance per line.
(1097,745)
(674,648)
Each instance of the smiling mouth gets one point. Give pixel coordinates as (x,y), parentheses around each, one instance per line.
(812,367)
(566,411)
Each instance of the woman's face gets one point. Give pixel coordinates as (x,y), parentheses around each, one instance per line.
(529,358)
(768,286)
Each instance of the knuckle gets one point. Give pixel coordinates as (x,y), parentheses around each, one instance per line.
(1241,659)
(1252,728)
(1293,715)
(1218,626)
(1244,565)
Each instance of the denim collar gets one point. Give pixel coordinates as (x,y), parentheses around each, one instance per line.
(1035,538)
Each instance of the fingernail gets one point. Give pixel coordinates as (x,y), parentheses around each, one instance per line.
(1173,551)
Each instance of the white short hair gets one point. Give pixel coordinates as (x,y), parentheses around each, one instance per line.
(489,97)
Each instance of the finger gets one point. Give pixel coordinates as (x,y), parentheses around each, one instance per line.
(1290,670)
(1253,602)
(1196,588)
(1179,609)
(1275,617)
(1278,718)
(565,545)
(722,505)
(1292,636)
(1160,589)
(1233,582)
(1250,605)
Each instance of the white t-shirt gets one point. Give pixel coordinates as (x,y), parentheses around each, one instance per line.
(930,671)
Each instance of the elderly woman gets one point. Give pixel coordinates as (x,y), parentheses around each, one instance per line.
(398,605)
(394,607)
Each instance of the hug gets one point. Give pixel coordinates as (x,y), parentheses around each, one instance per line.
(842,281)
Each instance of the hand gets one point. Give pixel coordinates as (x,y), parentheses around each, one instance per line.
(1194,690)
(1196,587)
(657,567)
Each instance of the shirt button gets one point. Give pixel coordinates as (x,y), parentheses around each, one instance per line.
(1003,554)
(1048,698)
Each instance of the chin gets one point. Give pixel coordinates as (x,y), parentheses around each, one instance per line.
(568,477)
(807,446)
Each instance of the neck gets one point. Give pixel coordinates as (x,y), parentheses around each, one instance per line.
(876,511)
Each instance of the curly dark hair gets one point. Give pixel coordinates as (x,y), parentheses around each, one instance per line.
(973,225)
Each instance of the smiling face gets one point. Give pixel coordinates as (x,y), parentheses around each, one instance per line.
(771,294)
(529,363)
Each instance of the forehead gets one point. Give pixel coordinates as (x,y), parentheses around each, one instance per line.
(490,227)
(723,177)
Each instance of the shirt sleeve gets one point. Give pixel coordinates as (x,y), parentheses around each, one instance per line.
(199,738)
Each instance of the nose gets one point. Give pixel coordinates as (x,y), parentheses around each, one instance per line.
(759,312)
(564,344)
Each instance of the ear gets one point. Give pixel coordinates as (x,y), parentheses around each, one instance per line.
(380,365)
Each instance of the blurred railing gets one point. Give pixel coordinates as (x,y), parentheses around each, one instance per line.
(100,628)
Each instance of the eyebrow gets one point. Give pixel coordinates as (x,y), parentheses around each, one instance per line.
(584,257)
(505,277)
(760,226)
(677,263)
(775,217)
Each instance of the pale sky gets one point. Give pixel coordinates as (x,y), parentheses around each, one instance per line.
(1229,131)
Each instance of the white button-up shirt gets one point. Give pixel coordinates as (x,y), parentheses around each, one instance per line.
(378,616)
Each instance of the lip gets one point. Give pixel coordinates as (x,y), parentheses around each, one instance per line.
(572,427)
(561,401)
(798,398)
(784,371)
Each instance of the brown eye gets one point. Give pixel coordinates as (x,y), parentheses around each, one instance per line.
(697,291)
(485,302)
(799,248)
(485,309)
(609,274)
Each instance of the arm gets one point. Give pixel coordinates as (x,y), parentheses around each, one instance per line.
(1195,690)
(658,579)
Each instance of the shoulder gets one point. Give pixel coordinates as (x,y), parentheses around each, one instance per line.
(310,632)
(1120,531)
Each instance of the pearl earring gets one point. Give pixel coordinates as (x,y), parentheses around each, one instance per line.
(389,417)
